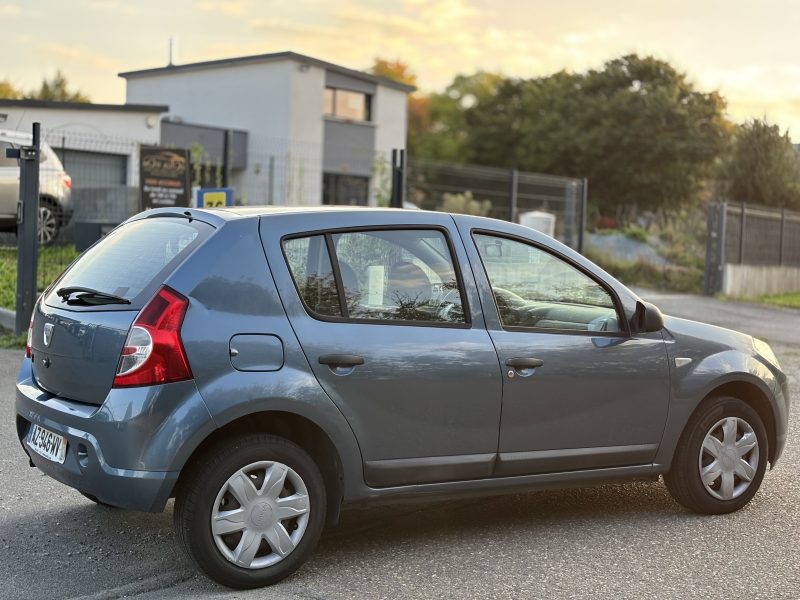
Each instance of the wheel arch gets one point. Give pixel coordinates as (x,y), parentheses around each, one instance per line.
(302,431)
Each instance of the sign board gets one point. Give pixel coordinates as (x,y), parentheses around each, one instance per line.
(163,177)
(213,197)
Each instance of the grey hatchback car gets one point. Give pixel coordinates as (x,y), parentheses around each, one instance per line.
(265,367)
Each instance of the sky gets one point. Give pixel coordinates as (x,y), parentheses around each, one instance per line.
(745,49)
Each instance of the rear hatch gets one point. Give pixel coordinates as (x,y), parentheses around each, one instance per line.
(77,335)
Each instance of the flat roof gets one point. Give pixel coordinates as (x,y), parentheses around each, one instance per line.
(140,108)
(262,58)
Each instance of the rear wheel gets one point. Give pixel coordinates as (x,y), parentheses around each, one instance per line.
(721,457)
(250,512)
(49,221)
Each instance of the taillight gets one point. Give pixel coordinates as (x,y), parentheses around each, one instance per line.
(30,335)
(153,351)
(67,180)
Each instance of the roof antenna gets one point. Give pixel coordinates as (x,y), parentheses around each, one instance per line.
(172,51)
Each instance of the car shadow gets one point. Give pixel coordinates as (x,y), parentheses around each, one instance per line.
(84,548)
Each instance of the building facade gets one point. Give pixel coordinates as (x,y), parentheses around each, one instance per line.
(312,131)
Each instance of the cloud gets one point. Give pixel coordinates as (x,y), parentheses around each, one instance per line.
(230,8)
(10,10)
(81,56)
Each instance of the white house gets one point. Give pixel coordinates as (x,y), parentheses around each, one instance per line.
(312,131)
(98,143)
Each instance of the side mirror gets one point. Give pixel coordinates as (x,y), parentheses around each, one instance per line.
(647,318)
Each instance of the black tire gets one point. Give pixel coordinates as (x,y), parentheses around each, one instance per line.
(197,493)
(95,500)
(684,481)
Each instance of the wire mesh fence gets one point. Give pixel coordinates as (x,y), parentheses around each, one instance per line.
(745,234)
(500,193)
(89,183)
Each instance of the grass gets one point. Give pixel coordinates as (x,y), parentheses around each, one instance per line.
(52,261)
(9,340)
(790,300)
(675,278)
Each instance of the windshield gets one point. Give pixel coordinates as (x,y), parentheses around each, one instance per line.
(131,258)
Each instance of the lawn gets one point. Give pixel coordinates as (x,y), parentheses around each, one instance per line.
(52,261)
(791,300)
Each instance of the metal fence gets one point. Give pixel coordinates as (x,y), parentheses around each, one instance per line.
(500,193)
(745,234)
(102,190)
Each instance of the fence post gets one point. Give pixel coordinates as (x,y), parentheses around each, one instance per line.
(398,178)
(742,223)
(512,200)
(714,271)
(582,216)
(780,238)
(271,188)
(27,230)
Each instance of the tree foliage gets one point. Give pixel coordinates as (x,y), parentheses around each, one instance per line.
(8,91)
(395,70)
(636,128)
(762,167)
(57,90)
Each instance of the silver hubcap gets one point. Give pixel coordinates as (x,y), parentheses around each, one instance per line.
(260,514)
(47,225)
(729,458)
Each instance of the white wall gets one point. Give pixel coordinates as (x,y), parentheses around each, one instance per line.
(390,115)
(105,131)
(306,131)
(252,97)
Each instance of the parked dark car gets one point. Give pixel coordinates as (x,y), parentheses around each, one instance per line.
(266,367)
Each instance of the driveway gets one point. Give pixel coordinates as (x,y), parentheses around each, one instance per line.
(614,541)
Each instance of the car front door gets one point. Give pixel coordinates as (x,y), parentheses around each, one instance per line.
(579,392)
(390,322)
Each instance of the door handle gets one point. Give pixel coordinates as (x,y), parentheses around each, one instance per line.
(341,360)
(524,363)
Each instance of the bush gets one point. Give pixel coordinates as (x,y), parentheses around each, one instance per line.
(645,274)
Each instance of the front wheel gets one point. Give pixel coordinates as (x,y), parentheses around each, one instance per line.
(251,511)
(721,458)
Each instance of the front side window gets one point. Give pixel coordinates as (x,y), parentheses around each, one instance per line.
(533,288)
(387,275)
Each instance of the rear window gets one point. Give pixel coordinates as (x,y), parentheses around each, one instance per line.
(132,258)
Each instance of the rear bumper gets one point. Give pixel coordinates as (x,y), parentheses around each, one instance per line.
(127,452)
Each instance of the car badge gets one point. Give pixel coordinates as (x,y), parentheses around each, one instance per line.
(48,333)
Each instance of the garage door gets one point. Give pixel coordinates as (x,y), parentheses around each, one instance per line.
(94,169)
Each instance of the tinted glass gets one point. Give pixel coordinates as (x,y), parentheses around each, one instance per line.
(533,288)
(399,275)
(129,259)
(313,275)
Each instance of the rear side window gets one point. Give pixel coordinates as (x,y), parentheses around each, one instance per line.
(381,275)
(133,257)
(313,274)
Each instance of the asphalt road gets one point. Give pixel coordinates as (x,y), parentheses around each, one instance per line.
(615,541)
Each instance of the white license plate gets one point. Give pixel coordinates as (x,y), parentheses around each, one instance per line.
(48,444)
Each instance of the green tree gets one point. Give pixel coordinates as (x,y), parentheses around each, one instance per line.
(8,91)
(395,70)
(762,167)
(637,128)
(57,89)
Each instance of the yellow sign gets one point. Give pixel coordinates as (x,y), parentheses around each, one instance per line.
(214,200)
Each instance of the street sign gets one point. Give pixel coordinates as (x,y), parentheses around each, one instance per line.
(213,197)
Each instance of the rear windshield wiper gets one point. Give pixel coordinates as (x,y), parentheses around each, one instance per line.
(89,296)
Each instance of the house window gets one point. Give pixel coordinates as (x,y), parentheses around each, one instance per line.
(349,190)
(344,104)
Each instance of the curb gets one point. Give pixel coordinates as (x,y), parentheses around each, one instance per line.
(7,318)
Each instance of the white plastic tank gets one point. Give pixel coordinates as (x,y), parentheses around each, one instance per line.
(539,220)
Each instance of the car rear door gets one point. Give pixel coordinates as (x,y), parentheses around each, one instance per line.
(579,391)
(386,310)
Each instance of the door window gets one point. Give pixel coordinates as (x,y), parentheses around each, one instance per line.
(386,275)
(535,289)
